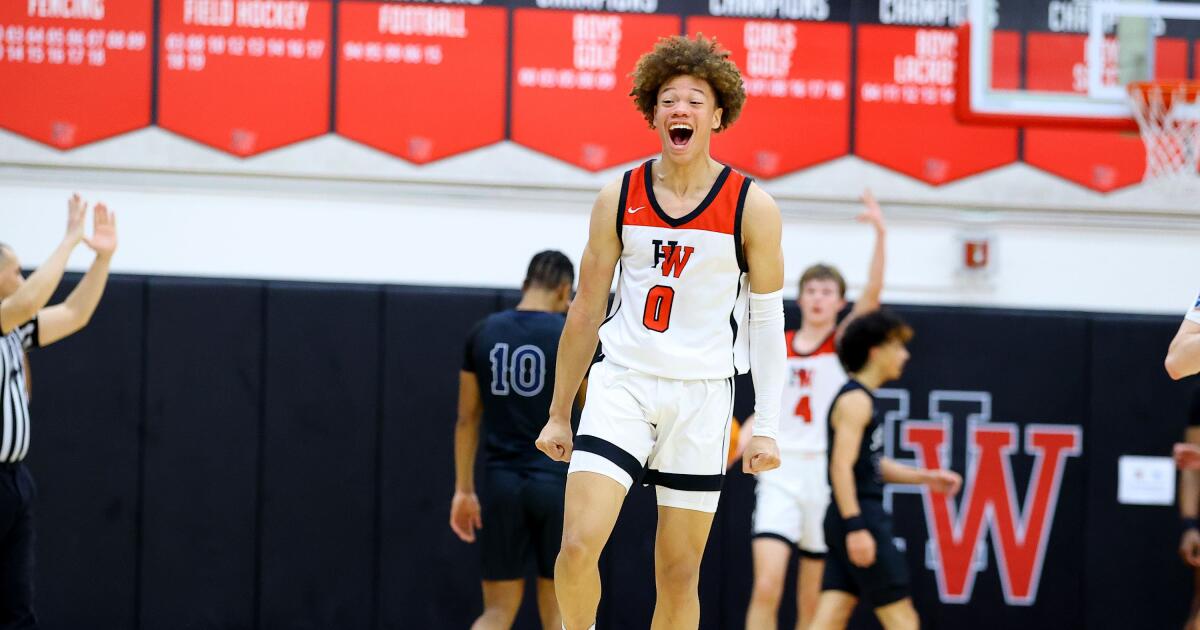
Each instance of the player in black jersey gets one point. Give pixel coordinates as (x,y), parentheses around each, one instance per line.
(507,381)
(863,562)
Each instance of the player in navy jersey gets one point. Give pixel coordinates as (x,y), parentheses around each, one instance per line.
(790,501)
(505,387)
(863,562)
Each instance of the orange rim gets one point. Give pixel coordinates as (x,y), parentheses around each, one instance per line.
(1167,89)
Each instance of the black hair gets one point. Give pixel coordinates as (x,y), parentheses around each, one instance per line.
(549,270)
(870,331)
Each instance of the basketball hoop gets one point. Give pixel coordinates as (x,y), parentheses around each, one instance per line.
(1168,115)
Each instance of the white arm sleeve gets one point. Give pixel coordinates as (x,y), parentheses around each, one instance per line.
(768,360)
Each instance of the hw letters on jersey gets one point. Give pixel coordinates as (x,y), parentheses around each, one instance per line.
(672,257)
(1019,520)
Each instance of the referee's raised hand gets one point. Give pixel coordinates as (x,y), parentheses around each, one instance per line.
(104,232)
(555,440)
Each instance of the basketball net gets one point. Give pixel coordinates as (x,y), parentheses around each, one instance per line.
(1168,116)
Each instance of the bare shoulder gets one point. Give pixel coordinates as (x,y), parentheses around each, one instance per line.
(761,214)
(610,196)
(760,203)
(854,407)
(603,230)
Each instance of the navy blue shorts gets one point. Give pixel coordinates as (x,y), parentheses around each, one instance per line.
(886,581)
(522,522)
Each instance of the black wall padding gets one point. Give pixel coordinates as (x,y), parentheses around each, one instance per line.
(244,455)
(318,526)
(1034,366)
(1132,565)
(627,564)
(84,443)
(204,365)
(426,329)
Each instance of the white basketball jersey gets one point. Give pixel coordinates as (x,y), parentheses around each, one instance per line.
(813,381)
(682,297)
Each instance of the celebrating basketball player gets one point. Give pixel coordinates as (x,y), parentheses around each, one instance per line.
(698,301)
(790,501)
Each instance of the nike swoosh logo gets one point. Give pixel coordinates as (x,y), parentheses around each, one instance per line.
(634,210)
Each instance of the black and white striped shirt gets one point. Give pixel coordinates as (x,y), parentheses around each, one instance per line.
(14,441)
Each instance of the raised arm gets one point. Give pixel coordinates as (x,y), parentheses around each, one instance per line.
(62,320)
(35,292)
(872,215)
(577,345)
(762,227)
(465,511)
(1183,357)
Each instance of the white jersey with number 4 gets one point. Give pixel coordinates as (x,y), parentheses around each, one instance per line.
(812,382)
(682,297)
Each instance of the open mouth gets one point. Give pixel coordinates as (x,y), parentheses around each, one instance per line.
(680,134)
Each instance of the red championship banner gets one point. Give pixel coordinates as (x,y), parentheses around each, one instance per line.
(570,91)
(798,72)
(244,76)
(906,95)
(74,72)
(421,81)
(1100,160)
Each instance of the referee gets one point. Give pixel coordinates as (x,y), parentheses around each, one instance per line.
(506,383)
(26,322)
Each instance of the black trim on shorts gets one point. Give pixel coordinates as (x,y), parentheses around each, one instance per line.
(611,452)
(773,536)
(888,596)
(680,481)
(812,555)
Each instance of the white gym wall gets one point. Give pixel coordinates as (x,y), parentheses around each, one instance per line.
(331,210)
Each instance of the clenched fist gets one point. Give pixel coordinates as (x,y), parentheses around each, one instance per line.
(762,454)
(556,440)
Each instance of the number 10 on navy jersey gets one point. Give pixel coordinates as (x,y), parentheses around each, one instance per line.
(524,372)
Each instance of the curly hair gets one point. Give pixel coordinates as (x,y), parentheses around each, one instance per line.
(700,58)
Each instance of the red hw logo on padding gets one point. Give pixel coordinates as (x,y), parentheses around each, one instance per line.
(988,505)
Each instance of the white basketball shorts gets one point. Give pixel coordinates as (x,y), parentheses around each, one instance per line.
(790,502)
(668,433)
